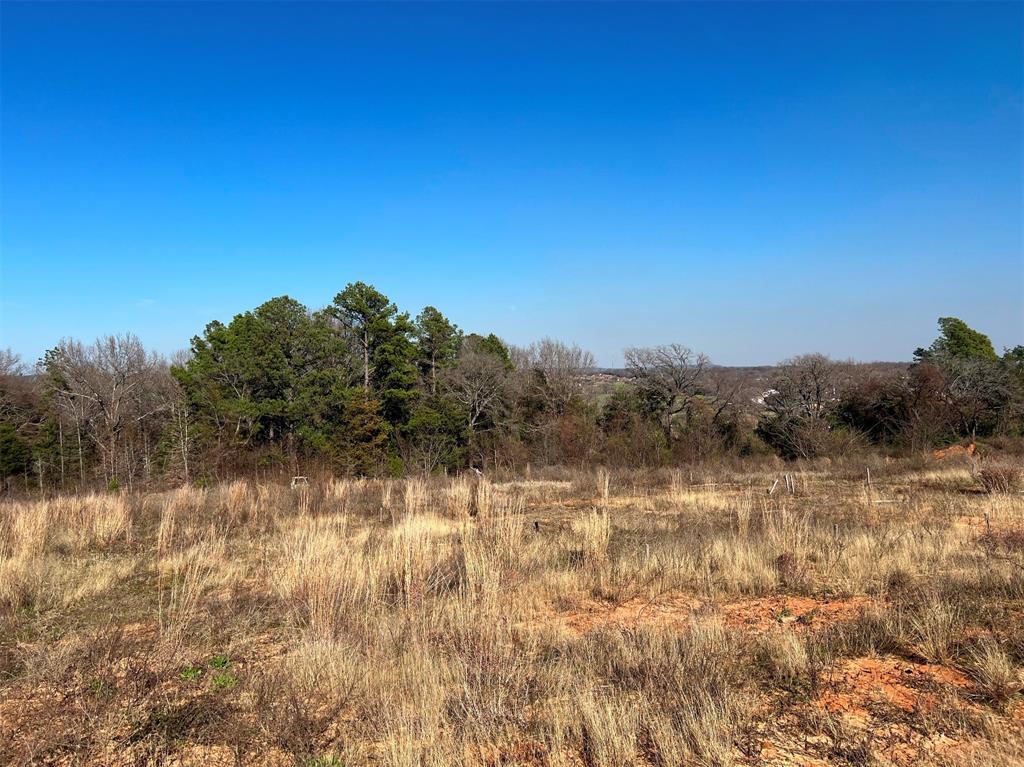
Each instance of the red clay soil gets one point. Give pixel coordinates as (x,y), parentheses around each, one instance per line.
(780,755)
(876,699)
(955,451)
(588,615)
(861,689)
(859,683)
(764,613)
(753,615)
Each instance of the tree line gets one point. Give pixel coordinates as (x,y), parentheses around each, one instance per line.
(361,388)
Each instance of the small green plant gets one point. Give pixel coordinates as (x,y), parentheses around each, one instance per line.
(113,485)
(395,467)
(225,680)
(190,673)
(220,661)
(100,687)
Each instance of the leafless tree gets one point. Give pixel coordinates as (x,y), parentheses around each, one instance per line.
(978,393)
(110,389)
(801,403)
(10,363)
(807,386)
(669,379)
(726,388)
(478,381)
(554,371)
(11,370)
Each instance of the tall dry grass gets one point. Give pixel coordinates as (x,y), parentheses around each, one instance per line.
(564,619)
(33,536)
(184,579)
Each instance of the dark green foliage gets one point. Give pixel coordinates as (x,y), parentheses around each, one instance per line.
(258,379)
(394,375)
(364,316)
(435,435)
(15,453)
(362,435)
(370,324)
(621,411)
(1014,361)
(348,384)
(959,341)
(437,344)
(491,344)
(964,387)
(1015,356)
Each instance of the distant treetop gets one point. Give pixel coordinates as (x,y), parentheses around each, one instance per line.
(958,340)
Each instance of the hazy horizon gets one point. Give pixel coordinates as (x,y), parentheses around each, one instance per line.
(754,181)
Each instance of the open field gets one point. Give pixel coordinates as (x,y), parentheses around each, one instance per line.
(648,618)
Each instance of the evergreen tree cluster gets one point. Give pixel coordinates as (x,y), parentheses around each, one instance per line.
(358,384)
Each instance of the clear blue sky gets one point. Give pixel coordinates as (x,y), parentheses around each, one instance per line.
(755,181)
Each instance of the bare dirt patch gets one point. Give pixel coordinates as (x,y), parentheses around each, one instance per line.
(780,754)
(749,615)
(859,684)
(802,613)
(585,616)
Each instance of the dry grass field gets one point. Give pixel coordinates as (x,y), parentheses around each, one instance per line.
(647,618)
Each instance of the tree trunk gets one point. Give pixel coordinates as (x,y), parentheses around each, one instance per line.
(184,446)
(81,465)
(366,360)
(60,443)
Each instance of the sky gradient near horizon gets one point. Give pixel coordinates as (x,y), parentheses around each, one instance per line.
(754,181)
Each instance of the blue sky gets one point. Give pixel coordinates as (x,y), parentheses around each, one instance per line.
(754,181)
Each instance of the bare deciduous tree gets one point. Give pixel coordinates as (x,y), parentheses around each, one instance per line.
(11,369)
(804,394)
(978,392)
(10,363)
(807,386)
(110,389)
(668,378)
(555,371)
(478,381)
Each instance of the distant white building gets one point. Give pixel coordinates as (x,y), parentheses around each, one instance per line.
(759,400)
